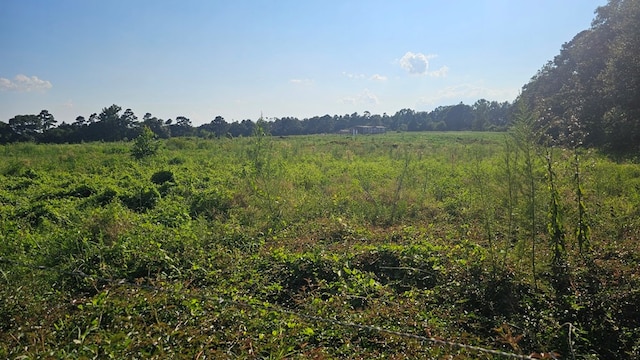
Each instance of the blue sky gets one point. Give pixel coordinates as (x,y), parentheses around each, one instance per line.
(240,59)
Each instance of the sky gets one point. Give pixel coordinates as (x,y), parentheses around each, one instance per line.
(243,59)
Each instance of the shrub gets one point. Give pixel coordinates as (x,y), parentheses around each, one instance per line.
(142,200)
(106,196)
(211,203)
(82,191)
(162,177)
(177,161)
(14,168)
(145,144)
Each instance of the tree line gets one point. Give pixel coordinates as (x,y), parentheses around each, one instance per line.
(589,94)
(113,124)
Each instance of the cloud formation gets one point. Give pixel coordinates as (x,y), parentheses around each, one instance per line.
(301,81)
(418,64)
(24,83)
(374,77)
(442,72)
(353,76)
(365,97)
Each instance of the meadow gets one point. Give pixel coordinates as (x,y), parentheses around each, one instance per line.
(401,245)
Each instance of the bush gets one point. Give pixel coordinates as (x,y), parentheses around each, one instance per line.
(145,144)
(162,177)
(142,200)
(211,203)
(82,191)
(106,196)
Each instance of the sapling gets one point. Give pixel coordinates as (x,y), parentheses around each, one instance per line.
(478,176)
(145,144)
(555,226)
(526,138)
(556,231)
(576,138)
(583,230)
(510,162)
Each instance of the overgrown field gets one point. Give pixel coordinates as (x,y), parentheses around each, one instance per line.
(297,247)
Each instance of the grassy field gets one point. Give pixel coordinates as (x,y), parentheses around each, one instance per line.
(318,247)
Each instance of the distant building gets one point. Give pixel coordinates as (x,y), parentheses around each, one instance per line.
(364,130)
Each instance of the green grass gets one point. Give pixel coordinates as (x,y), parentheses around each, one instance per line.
(209,247)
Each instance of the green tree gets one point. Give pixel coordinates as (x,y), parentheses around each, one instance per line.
(622,75)
(7,134)
(110,114)
(219,126)
(27,126)
(47,120)
(158,126)
(107,126)
(145,144)
(182,127)
(595,80)
(80,121)
(526,138)
(128,119)
(480,114)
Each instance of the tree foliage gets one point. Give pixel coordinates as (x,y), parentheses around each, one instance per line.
(590,92)
(145,144)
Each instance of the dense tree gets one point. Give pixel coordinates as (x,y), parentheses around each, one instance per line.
(243,128)
(591,90)
(47,120)
(404,116)
(621,75)
(318,125)
(64,133)
(111,124)
(7,135)
(80,121)
(287,126)
(108,125)
(218,126)
(182,127)
(128,118)
(110,114)
(26,126)
(158,126)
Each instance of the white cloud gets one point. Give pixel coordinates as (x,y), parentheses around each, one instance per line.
(301,81)
(442,72)
(374,77)
(418,64)
(354,76)
(365,97)
(24,83)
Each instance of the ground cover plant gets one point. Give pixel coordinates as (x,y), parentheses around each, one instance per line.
(302,247)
